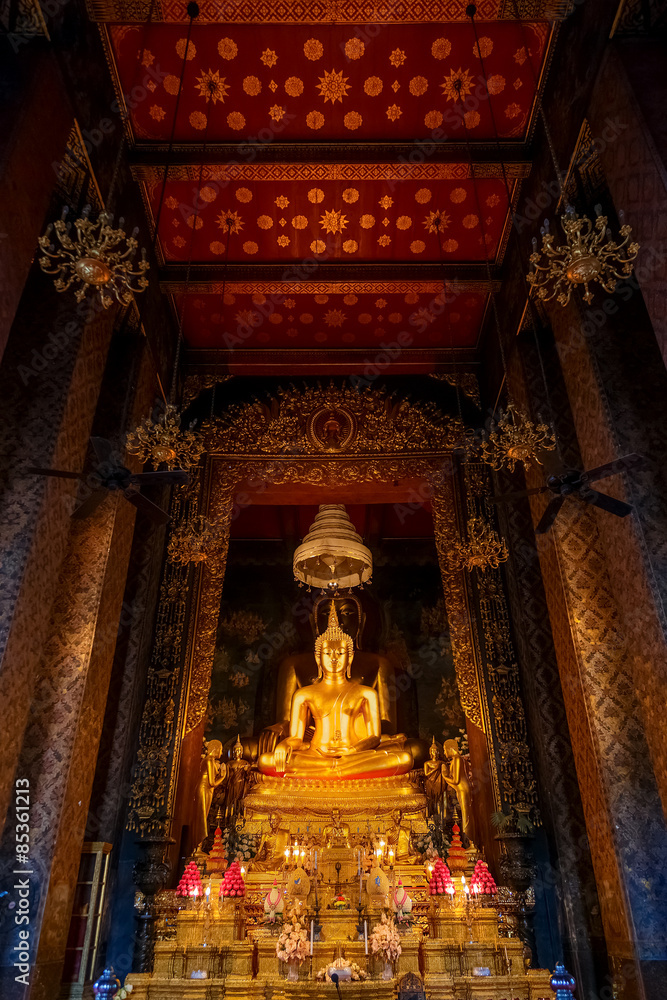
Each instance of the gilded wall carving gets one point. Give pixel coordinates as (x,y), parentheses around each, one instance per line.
(517,780)
(150,788)
(370,423)
(458,614)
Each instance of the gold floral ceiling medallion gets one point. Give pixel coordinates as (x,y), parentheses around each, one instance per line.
(589,255)
(514,438)
(100,258)
(484,548)
(196,541)
(161,441)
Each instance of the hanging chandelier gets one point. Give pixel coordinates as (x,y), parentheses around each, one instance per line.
(484,548)
(161,441)
(196,542)
(589,255)
(100,258)
(332,556)
(514,438)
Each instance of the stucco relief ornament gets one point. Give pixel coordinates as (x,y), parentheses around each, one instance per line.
(161,441)
(100,259)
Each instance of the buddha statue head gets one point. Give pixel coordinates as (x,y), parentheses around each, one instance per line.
(212,748)
(434,750)
(237,749)
(451,748)
(334,649)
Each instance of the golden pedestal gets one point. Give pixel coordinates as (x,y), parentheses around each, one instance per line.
(313,800)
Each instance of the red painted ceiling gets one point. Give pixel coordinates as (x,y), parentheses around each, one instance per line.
(308,82)
(277,219)
(335,319)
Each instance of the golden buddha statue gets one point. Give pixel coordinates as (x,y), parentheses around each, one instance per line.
(213,774)
(347,741)
(458,781)
(271,849)
(435,783)
(296,670)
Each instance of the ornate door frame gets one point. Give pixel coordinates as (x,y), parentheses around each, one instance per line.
(281,441)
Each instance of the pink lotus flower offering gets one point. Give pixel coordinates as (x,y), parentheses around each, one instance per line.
(482,880)
(232,883)
(441,880)
(190,884)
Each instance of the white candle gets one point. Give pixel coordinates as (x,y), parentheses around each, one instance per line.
(312,932)
(366,936)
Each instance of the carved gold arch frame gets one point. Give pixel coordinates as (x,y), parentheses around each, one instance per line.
(393,441)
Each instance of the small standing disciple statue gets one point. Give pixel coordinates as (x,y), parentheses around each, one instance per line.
(347,742)
(435,783)
(458,781)
(401,903)
(273,903)
(238,774)
(213,774)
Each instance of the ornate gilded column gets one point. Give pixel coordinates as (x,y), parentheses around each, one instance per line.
(488,677)
(170,734)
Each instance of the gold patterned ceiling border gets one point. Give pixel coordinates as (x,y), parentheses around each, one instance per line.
(333,287)
(195,384)
(330,12)
(290,172)
(467,382)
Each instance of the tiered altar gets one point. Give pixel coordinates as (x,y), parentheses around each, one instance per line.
(335,812)
(451,941)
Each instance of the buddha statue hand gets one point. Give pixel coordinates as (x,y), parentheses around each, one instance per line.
(270,737)
(283,752)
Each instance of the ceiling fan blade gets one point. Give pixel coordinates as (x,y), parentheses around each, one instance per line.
(550,515)
(605,502)
(89,505)
(58,473)
(509,497)
(103,450)
(161,478)
(611,468)
(147,506)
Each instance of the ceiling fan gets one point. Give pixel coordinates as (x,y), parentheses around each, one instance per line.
(111,477)
(571,484)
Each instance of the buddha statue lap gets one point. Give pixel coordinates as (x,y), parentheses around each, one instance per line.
(347,741)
